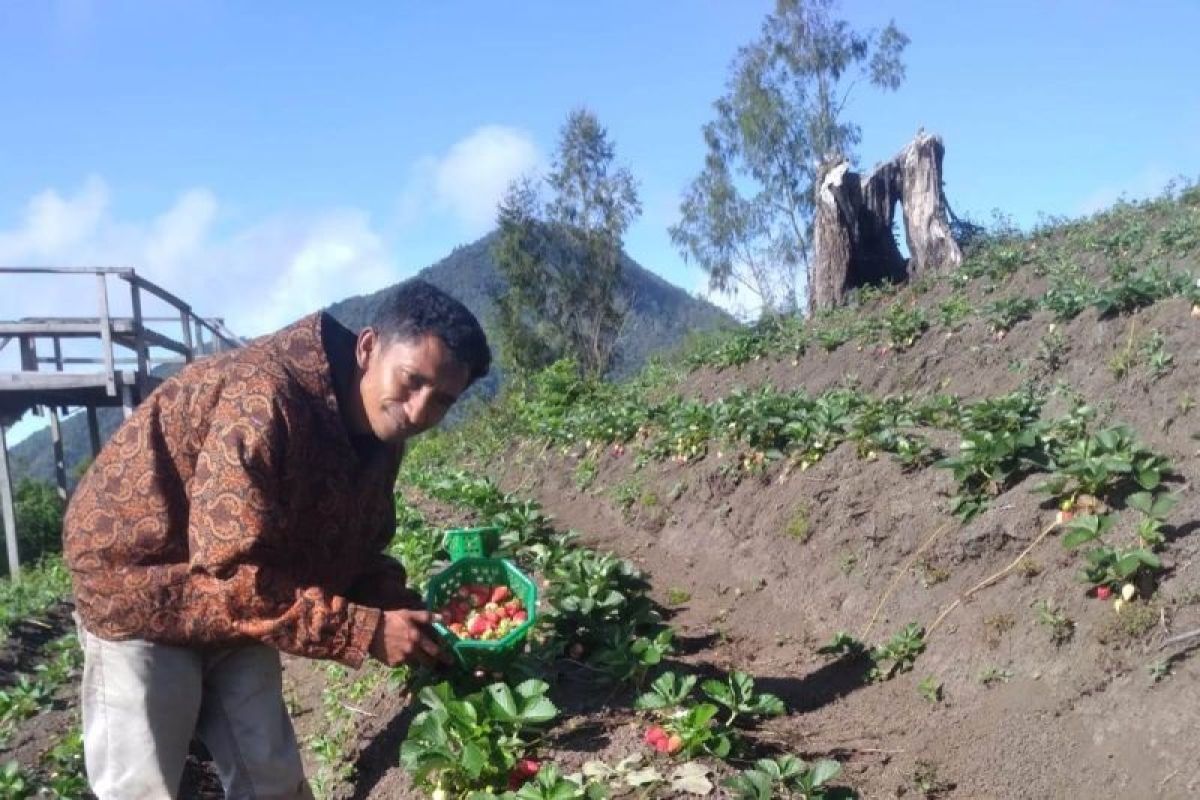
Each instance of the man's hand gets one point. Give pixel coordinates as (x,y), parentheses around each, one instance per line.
(404,637)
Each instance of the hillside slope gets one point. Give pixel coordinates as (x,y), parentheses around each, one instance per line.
(785,487)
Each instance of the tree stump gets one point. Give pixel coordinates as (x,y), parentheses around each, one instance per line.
(853,243)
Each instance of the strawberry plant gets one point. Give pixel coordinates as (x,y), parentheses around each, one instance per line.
(786,776)
(1061,627)
(1114,567)
(987,463)
(1002,315)
(1085,528)
(546,783)
(666,692)
(14,784)
(904,326)
(23,699)
(953,311)
(738,697)
(699,731)
(65,776)
(898,654)
(624,657)
(462,743)
(1154,510)
(1068,296)
(844,645)
(834,336)
(1130,291)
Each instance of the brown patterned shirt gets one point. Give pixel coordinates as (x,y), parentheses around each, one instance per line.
(232,506)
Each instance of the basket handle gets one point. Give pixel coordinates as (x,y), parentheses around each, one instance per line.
(471,542)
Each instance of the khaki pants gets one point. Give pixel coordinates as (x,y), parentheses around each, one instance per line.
(142,702)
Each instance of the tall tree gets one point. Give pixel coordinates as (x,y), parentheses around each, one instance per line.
(562,260)
(746,220)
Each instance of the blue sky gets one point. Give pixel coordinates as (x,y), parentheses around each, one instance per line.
(263,159)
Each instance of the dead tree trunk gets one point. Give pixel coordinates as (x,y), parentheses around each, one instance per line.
(853,241)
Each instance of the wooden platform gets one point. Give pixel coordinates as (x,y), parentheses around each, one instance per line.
(21,392)
(117,371)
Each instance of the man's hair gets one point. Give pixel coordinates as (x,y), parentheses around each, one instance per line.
(415,308)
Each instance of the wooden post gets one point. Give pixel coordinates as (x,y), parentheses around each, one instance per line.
(184,314)
(139,338)
(94,430)
(9,509)
(28,346)
(127,401)
(60,462)
(106,345)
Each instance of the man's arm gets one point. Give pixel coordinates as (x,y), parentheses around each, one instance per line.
(384,584)
(239,584)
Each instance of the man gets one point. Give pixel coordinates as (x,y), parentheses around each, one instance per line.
(241,511)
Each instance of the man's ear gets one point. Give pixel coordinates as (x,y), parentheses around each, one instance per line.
(365,347)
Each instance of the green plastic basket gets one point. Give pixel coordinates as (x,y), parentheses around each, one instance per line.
(471,562)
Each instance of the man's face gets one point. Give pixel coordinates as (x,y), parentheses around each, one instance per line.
(407,386)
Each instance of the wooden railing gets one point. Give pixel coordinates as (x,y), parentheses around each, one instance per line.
(58,387)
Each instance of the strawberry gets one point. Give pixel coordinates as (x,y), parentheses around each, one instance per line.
(1103,592)
(674,744)
(500,594)
(655,735)
(477,626)
(528,767)
(520,616)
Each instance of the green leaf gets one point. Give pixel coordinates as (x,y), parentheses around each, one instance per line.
(824,771)
(1148,478)
(1078,536)
(504,702)
(532,688)
(1143,502)
(718,691)
(1163,506)
(539,711)
(474,759)
(1148,558)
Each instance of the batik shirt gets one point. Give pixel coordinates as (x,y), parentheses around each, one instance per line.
(233,507)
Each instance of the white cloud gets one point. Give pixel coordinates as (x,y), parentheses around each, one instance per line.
(468,180)
(336,256)
(182,230)
(258,277)
(53,223)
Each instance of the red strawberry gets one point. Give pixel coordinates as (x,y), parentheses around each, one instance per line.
(478,626)
(655,736)
(1103,592)
(500,594)
(528,767)
(521,616)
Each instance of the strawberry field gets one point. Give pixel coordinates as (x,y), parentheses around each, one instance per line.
(941,543)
